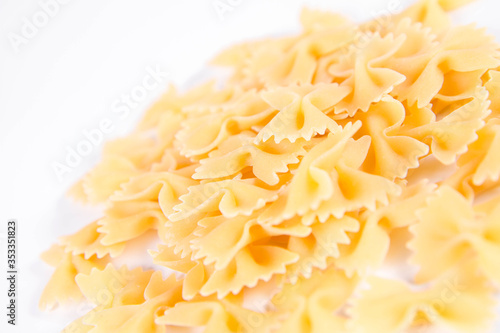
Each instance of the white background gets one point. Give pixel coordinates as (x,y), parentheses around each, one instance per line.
(65,79)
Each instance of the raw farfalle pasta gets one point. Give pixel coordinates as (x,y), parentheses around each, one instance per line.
(266,159)
(301,111)
(345,179)
(391,155)
(453,229)
(314,304)
(460,301)
(365,71)
(62,286)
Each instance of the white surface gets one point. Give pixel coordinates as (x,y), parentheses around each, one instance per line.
(67,77)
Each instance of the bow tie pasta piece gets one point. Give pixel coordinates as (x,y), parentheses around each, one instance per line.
(250,265)
(203,133)
(298,65)
(479,167)
(449,230)
(141,206)
(353,189)
(390,155)
(469,304)
(173,105)
(139,317)
(237,233)
(163,187)
(195,273)
(486,146)
(320,245)
(418,46)
(88,241)
(62,286)
(216,316)
(169,104)
(314,304)
(451,134)
(230,197)
(267,159)
(256,262)
(211,99)
(384,307)
(367,248)
(112,287)
(105,179)
(460,301)
(461,50)
(365,72)
(248,61)
(457,86)
(301,111)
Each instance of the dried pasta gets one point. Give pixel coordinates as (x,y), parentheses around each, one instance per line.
(280,197)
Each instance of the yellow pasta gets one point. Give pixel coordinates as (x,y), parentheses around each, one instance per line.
(311,305)
(450,221)
(342,179)
(392,306)
(224,316)
(267,159)
(365,71)
(62,286)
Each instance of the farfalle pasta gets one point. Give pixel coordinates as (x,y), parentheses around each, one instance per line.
(462,231)
(342,179)
(460,301)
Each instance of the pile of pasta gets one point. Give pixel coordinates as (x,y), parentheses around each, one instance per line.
(342,180)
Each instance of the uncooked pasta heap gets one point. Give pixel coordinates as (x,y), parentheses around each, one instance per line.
(342,180)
